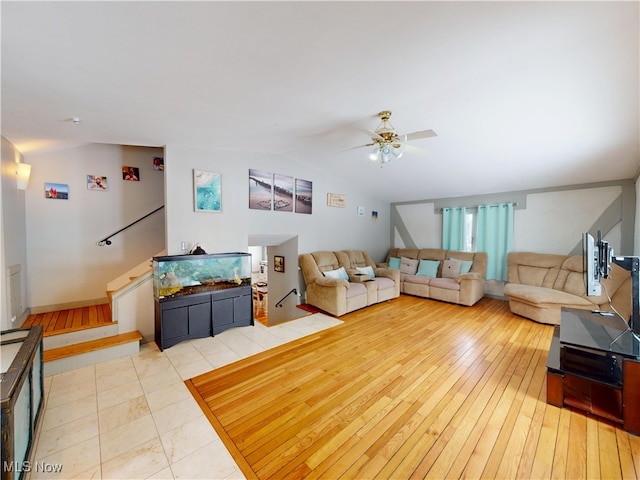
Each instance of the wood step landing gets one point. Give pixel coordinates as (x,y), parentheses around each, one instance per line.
(71,357)
(73,319)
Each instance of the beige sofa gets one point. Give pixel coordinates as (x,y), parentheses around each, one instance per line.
(540,284)
(337,295)
(448,284)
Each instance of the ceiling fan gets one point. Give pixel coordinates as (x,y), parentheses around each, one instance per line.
(390,144)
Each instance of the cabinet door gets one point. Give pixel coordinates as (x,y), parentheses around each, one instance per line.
(222,314)
(242,311)
(200,318)
(175,322)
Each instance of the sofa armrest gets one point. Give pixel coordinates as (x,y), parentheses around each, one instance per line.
(331,282)
(359,277)
(469,276)
(392,273)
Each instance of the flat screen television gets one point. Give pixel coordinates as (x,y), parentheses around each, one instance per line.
(598,256)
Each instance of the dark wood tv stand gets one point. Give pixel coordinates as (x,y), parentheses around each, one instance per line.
(586,372)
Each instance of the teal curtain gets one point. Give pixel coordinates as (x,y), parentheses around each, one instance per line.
(495,236)
(453,220)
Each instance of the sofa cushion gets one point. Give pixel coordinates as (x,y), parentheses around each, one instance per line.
(394,262)
(339,273)
(428,268)
(408,265)
(445,283)
(465,265)
(543,295)
(384,282)
(451,268)
(356,289)
(416,279)
(366,271)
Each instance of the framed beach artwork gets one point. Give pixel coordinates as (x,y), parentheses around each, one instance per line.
(207,191)
(97,183)
(304,196)
(282,193)
(57,191)
(260,189)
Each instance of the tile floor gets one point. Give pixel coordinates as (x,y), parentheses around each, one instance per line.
(133,418)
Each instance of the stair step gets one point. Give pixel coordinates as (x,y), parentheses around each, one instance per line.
(63,338)
(90,346)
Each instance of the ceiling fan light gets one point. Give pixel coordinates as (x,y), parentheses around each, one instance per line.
(373,156)
(397,152)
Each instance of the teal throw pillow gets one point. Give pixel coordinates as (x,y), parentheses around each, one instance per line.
(428,268)
(465,266)
(394,262)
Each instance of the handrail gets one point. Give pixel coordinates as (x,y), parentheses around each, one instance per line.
(106,240)
(293,290)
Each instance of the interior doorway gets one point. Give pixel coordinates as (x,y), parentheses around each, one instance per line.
(275,278)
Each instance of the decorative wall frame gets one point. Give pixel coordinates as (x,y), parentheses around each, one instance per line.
(304,196)
(282,193)
(207,191)
(336,200)
(278,263)
(260,189)
(97,183)
(58,191)
(131,174)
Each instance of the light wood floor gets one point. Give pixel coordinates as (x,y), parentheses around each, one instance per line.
(71,319)
(410,388)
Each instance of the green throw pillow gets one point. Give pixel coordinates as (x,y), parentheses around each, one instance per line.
(465,266)
(394,262)
(428,268)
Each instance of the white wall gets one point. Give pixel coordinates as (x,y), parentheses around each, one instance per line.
(553,222)
(327,228)
(65,263)
(13,237)
(545,221)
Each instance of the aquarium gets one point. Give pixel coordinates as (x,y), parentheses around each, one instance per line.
(179,275)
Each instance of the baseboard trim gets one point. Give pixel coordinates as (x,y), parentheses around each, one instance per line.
(68,305)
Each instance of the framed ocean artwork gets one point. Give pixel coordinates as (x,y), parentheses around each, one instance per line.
(207,191)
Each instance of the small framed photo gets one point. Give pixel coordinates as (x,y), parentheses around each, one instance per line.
(278,263)
(336,200)
(158,163)
(58,191)
(131,174)
(97,183)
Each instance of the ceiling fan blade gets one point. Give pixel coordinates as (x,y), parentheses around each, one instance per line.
(359,146)
(373,135)
(414,150)
(418,135)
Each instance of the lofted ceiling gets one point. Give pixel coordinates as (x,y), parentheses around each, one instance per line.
(522,95)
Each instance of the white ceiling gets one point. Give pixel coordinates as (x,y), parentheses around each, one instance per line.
(522,95)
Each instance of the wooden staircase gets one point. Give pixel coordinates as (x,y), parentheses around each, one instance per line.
(79,337)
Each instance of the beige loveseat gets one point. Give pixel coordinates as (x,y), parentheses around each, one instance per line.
(540,284)
(344,281)
(448,284)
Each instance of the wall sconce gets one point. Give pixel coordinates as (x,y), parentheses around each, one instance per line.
(23,170)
